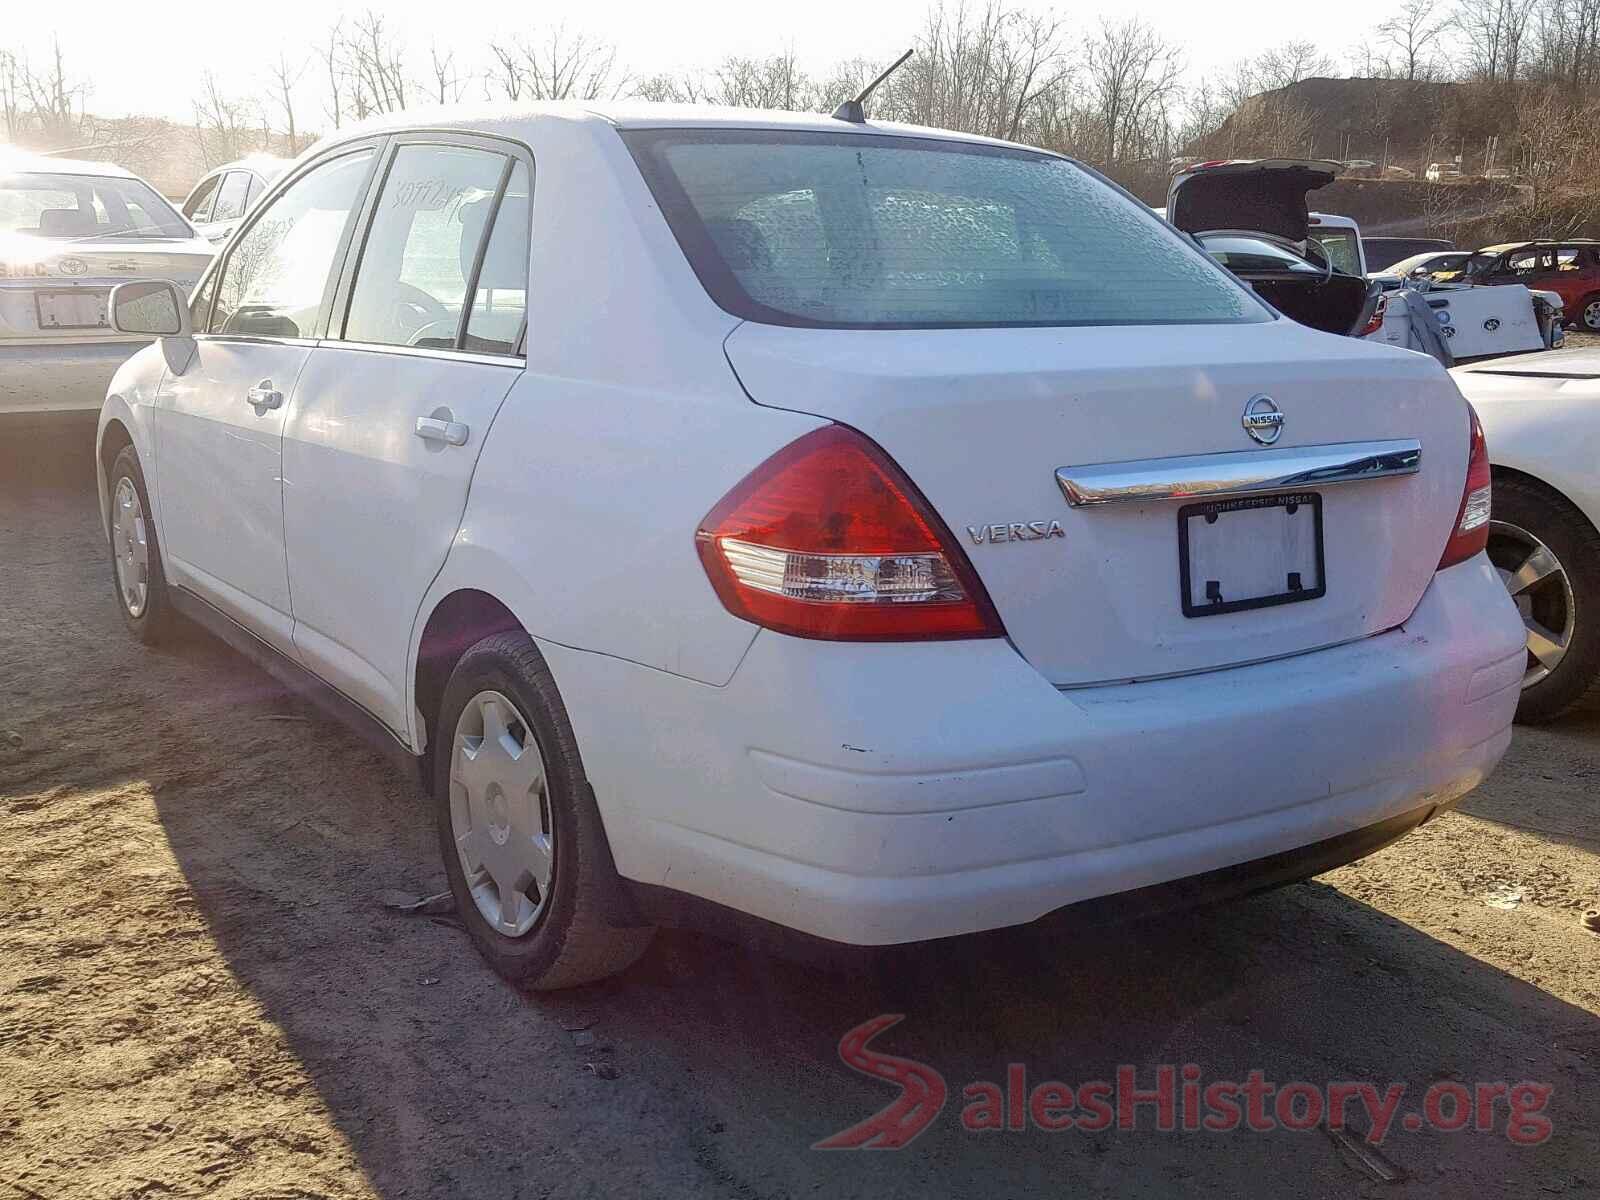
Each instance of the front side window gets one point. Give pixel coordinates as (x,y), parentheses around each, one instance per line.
(423,249)
(231,196)
(867,231)
(84,207)
(277,271)
(198,206)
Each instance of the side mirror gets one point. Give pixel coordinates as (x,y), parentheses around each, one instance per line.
(153,307)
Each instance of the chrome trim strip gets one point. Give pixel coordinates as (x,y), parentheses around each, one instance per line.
(1236,473)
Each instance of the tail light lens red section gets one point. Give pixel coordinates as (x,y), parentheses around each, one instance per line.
(1471,533)
(1375,321)
(829,539)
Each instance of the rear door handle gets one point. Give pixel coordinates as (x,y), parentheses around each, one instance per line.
(452,433)
(264,395)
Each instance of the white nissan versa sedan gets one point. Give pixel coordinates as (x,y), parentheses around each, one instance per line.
(881,532)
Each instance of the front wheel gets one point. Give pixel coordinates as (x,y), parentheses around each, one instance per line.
(519,831)
(1548,556)
(136,574)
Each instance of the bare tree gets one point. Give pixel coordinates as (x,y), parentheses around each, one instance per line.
(284,76)
(1410,35)
(448,84)
(1494,33)
(375,66)
(1289,63)
(558,66)
(54,99)
(12,98)
(772,82)
(331,60)
(1131,83)
(222,124)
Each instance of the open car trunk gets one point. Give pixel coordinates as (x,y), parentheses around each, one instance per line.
(1340,304)
(1268,197)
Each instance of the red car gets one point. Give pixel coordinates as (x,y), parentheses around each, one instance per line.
(1569,268)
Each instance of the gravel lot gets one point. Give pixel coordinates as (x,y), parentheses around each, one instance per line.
(200,996)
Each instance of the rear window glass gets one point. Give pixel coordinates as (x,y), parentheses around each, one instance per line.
(864,231)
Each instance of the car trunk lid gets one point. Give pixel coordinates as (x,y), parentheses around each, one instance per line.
(982,420)
(52,289)
(1267,195)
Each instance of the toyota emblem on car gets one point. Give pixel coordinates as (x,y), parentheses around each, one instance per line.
(1263,420)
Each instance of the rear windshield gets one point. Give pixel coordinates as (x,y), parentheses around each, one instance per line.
(82,207)
(867,231)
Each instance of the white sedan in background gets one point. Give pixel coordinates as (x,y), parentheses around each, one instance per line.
(217,204)
(1542,416)
(69,233)
(882,532)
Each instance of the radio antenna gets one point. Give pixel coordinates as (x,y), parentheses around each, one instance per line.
(854,110)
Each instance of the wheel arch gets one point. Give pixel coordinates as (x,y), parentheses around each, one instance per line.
(1499,472)
(456,621)
(118,428)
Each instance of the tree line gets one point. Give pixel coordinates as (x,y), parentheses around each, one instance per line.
(1117,92)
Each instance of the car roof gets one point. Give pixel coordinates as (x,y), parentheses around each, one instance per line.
(15,160)
(1504,246)
(504,118)
(268,166)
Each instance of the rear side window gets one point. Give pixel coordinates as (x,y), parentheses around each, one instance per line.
(198,206)
(431,268)
(500,299)
(231,196)
(866,231)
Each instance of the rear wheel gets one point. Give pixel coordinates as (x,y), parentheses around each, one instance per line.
(1548,556)
(1589,313)
(136,574)
(522,841)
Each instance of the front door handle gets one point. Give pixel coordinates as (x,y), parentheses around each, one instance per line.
(264,395)
(452,433)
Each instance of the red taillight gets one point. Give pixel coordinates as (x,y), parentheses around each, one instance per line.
(829,539)
(1375,322)
(1471,533)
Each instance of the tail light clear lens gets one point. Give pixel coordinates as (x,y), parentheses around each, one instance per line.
(829,539)
(1471,532)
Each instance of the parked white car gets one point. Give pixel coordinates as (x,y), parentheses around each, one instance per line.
(69,232)
(1542,415)
(220,200)
(882,532)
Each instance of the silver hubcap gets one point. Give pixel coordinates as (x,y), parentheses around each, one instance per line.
(500,813)
(1538,583)
(1591,315)
(130,547)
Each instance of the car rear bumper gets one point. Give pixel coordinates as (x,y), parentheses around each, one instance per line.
(70,377)
(892,793)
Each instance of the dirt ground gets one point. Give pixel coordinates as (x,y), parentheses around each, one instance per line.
(200,995)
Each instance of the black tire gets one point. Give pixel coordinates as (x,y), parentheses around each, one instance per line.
(586,929)
(1575,681)
(1588,314)
(156,622)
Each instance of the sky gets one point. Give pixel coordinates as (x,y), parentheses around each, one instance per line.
(152,63)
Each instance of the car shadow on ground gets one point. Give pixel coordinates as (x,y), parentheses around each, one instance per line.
(707,1070)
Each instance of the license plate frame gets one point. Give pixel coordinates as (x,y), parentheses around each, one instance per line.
(102,299)
(1284,500)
